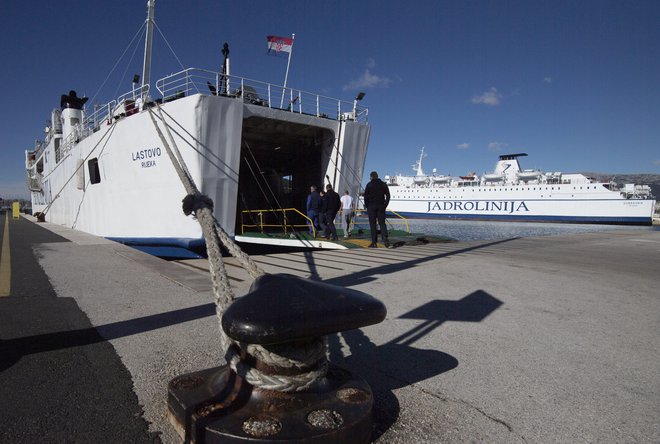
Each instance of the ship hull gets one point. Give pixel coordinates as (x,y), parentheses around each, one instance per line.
(526,208)
(137,199)
(510,193)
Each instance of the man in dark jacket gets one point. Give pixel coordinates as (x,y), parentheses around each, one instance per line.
(333,204)
(313,209)
(376,200)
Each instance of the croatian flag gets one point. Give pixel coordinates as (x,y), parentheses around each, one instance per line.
(279,44)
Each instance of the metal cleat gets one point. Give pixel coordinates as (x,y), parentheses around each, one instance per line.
(252,398)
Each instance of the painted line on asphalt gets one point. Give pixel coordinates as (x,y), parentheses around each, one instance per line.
(5,261)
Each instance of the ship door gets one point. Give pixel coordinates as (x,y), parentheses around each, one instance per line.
(279,162)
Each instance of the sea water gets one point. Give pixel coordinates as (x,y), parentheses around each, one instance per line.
(464,230)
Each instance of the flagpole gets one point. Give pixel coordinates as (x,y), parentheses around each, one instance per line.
(286,76)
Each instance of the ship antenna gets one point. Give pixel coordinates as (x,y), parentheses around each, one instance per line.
(146,70)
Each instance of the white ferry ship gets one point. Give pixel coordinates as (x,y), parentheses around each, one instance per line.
(253,147)
(515,194)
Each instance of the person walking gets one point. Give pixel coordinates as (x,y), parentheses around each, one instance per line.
(313,209)
(376,200)
(346,213)
(332,206)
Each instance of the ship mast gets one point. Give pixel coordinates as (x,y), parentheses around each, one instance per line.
(418,164)
(146,70)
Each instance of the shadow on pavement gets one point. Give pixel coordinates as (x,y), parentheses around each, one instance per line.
(12,350)
(397,364)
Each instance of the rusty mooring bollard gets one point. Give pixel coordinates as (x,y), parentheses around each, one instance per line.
(265,399)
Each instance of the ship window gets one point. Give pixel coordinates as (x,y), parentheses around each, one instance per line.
(94,173)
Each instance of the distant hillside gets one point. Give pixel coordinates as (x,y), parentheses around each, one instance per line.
(652,180)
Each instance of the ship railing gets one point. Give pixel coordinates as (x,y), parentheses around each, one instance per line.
(78,133)
(632,191)
(282,220)
(39,146)
(122,106)
(201,81)
(398,222)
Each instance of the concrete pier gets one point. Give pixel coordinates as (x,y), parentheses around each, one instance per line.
(549,339)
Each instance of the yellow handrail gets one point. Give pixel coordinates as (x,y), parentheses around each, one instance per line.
(405,221)
(402,221)
(285,225)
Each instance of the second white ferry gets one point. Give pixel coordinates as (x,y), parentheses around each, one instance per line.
(512,193)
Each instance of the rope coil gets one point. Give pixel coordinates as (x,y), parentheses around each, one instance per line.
(316,363)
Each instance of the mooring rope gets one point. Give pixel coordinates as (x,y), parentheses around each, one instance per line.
(314,367)
(309,359)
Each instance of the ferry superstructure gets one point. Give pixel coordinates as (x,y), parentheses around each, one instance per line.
(248,145)
(512,193)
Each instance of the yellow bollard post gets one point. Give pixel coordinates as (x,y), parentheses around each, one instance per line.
(16,210)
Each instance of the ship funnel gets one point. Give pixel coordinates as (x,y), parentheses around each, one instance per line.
(72,112)
(71,120)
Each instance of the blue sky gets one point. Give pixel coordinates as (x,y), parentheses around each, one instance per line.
(575,84)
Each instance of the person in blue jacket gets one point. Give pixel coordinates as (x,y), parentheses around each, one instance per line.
(313,210)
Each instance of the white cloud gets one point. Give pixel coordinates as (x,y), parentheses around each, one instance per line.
(367,80)
(371,63)
(497,146)
(463,146)
(490,98)
(547,79)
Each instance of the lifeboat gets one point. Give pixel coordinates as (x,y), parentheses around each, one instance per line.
(528,174)
(493,177)
(421,180)
(441,179)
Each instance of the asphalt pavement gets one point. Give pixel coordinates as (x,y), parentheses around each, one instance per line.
(61,380)
(548,339)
